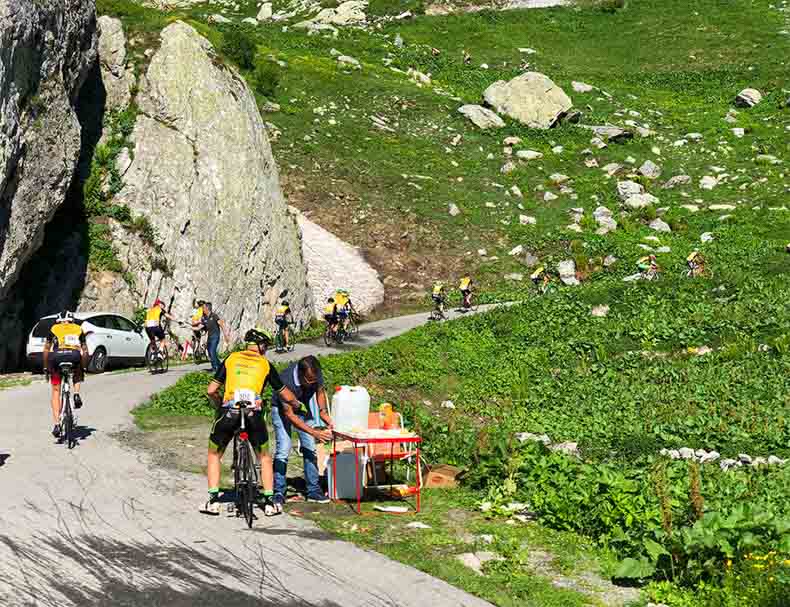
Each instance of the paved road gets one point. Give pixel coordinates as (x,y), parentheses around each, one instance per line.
(99,525)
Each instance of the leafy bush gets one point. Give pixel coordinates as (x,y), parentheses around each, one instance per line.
(186,397)
(239,47)
(266,78)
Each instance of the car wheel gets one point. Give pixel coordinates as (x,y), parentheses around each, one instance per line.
(98,362)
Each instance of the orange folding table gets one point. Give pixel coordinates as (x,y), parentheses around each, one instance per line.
(364,438)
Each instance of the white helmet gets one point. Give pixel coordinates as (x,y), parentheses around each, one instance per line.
(65,316)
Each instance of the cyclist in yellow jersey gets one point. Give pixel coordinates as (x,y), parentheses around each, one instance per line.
(465,287)
(283,318)
(153,323)
(439,296)
(343,302)
(330,313)
(64,344)
(244,375)
(196,320)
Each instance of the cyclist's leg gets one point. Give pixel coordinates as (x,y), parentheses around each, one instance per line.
(286,336)
(222,431)
(259,438)
(55,396)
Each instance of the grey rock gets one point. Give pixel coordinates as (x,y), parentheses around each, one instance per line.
(581,87)
(767,159)
(117,80)
(659,225)
(759,461)
(549,196)
(527,220)
(517,250)
(349,61)
(250,21)
(531,98)
(568,448)
(528,155)
(650,169)
(744,458)
(567,271)
(609,132)
(748,98)
(601,212)
(265,12)
(663,249)
(611,168)
(47,51)
(686,453)
(523,437)
(726,464)
(515,277)
(773,460)
(454,210)
(706,237)
(530,259)
(676,181)
(123,162)
(640,201)
(626,189)
(348,13)
(511,141)
(708,182)
(600,311)
(605,225)
(476,560)
(219,18)
(204,176)
(609,261)
(710,456)
(482,117)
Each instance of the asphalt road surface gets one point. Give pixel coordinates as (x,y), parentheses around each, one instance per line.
(101,525)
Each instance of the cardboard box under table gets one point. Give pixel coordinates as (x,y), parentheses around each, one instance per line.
(362,443)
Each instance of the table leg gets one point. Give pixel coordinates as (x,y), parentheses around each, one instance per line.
(419,484)
(356,480)
(334,468)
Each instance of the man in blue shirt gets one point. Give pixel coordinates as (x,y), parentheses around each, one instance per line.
(305,380)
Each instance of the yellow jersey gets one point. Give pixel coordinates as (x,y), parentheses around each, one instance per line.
(246,373)
(197,314)
(437,289)
(341,299)
(465,283)
(282,311)
(153,316)
(67,336)
(329,309)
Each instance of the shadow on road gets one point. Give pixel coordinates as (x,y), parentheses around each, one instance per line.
(93,570)
(3,458)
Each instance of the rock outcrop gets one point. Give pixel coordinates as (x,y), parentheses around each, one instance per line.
(481,117)
(531,98)
(117,80)
(333,263)
(47,48)
(203,175)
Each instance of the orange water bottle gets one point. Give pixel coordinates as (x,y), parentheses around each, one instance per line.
(386,416)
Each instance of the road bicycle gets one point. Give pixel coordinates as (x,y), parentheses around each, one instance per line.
(67,434)
(156,358)
(199,351)
(466,305)
(279,340)
(245,468)
(354,320)
(438,313)
(334,336)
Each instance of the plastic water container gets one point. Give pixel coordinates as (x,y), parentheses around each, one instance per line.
(350,408)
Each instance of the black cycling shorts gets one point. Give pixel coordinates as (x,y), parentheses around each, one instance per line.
(155,332)
(227,421)
(437,299)
(330,318)
(65,356)
(281,322)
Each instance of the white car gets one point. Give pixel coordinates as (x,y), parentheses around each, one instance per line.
(112,340)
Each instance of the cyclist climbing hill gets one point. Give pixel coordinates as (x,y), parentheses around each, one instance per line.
(64,344)
(465,286)
(153,324)
(283,318)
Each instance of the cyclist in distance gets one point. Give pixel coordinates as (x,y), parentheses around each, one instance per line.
(153,324)
(465,286)
(330,314)
(244,375)
(196,320)
(439,297)
(64,344)
(283,318)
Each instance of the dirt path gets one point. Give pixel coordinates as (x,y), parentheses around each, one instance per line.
(101,525)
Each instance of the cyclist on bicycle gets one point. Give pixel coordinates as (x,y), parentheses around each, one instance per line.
(244,375)
(330,314)
(153,324)
(343,301)
(696,264)
(465,286)
(439,297)
(541,279)
(648,266)
(283,318)
(196,320)
(64,344)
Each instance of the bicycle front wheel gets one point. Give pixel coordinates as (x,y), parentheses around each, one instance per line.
(164,360)
(328,336)
(251,486)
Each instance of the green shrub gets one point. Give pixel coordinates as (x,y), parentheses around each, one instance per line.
(239,47)
(186,397)
(266,78)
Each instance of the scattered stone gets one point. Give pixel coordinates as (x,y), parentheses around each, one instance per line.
(527,220)
(600,311)
(659,225)
(722,207)
(773,460)
(558,178)
(609,132)
(609,261)
(686,453)
(748,98)
(516,191)
(744,458)
(528,155)
(626,189)
(738,132)
(217,18)
(640,201)
(517,250)
(767,159)
(692,208)
(531,98)
(523,437)
(567,271)
(270,107)
(726,464)
(511,141)
(568,448)
(508,167)
(417,525)
(581,87)
(557,149)
(447,404)
(515,277)
(476,560)
(454,210)
(694,136)
(650,169)
(708,182)
(349,61)
(531,260)
(481,117)
(548,197)
(676,181)
(265,13)
(706,237)
(611,168)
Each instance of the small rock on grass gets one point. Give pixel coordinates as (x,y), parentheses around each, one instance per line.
(748,98)
(454,210)
(650,170)
(600,311)
(418,525)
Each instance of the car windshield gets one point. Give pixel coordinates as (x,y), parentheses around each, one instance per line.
(44,326)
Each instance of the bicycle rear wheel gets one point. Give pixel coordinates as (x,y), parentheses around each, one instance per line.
(164,360)
(150,360)
(279,341)
(251,486)
(328,336)
(68,423)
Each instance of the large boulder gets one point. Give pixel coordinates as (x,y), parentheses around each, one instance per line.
(47,48)
(333,263)
(351,12)
(117,80)
(532,99)
(204,177)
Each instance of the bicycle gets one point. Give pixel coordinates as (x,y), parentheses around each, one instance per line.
(245,470)
(466,304)
(354,319)
(66,414)
(279,340)
(156,359)
(337,336)
(199,350)
(437,314)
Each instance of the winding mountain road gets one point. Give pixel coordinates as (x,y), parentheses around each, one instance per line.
(102,525)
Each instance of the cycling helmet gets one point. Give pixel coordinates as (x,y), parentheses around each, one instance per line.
(259,337)
(158,302)
(538,273)
(286,304)
(692,256)
(65,316)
